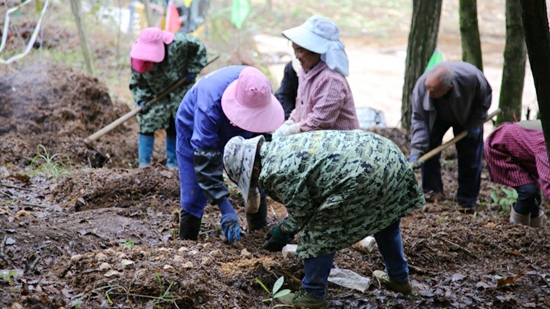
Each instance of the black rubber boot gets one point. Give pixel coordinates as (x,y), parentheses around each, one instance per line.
(189,226)
(258,220)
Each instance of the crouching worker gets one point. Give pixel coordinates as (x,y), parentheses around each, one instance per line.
(232,101)
(516,156)
(338,187)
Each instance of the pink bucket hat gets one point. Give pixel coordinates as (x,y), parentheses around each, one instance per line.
(150,44)
(249,104)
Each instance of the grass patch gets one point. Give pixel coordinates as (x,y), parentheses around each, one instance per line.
(50,165)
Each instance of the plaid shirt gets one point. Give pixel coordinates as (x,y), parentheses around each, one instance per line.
(517,156)
(324,101)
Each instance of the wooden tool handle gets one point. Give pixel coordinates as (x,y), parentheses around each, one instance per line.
(130,114)
(453,141)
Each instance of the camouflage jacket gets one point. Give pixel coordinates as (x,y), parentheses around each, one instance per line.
(186,54)
(338,186)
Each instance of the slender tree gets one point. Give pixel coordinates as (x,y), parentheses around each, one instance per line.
(84,45)
(421,45)
(469,33)
(513,71)
(537,39)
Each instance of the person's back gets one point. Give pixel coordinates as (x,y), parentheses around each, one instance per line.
(516,156)
(206,96)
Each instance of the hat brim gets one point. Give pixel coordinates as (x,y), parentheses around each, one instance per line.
(257,120)
(307,39)
(248,158)
(153,52)
(241,159)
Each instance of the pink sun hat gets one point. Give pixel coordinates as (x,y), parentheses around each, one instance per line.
(150,44)
(249,104)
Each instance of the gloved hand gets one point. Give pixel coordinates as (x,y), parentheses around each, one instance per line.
(413,160)
(473,133)
(191,77)
(277,239)
(230,227)
(287,128)
(229,221)
(144,107)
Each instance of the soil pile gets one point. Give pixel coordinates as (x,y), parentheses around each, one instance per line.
(56,107)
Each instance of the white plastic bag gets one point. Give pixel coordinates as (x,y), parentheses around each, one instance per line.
(349,279)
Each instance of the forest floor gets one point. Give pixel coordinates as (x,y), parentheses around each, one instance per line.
(81,226)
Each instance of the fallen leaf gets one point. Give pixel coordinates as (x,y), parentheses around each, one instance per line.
(490,225)
(458,277)
(483,285)
(514,253)
(504,282)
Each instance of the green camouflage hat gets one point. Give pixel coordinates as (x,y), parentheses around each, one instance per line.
(238,160)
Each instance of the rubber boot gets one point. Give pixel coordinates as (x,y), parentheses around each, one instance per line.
(519,219)
(258,220)
(172,161)
(190,226)
(145,149)
(537,221)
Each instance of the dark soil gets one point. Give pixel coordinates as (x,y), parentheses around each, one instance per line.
(101,233)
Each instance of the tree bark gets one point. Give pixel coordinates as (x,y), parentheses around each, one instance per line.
(537,39)
(469,33)
(421,45)
(75,7)
(513,71)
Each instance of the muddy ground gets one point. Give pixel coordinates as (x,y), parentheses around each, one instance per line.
(81,226)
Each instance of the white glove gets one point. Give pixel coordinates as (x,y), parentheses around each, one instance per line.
(287,128)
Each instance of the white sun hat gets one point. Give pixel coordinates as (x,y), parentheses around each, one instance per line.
(238,160)
(321,36)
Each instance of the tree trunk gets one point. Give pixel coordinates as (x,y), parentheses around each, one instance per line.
(513,71)
(421,45)
(537,39)
(469,33)
(75,7)
(148,16)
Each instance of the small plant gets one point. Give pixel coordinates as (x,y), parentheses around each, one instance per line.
(128,243)
(506,202)
(157,301)
(46,164)
(275,293)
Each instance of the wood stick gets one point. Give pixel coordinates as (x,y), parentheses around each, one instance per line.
(453,141)
(14,187)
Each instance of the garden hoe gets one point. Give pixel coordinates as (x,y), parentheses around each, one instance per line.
(100,157)
(132,113)
(453,141)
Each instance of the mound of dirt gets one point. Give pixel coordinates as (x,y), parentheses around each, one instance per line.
(56,107)
(48,99)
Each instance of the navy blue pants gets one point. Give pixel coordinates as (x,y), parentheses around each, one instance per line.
(390,245)
(470,153)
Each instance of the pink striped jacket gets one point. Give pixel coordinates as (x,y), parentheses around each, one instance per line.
(324,101)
